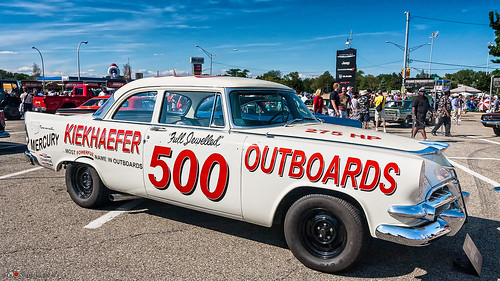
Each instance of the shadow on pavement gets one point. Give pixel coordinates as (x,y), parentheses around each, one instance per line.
(8,148)
(383,259)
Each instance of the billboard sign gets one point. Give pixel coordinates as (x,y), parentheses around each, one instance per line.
(416,83)
(346,67)
(495,82)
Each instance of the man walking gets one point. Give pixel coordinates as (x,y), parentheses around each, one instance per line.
(379,110)
(444,111)
(419,110)
(334,101)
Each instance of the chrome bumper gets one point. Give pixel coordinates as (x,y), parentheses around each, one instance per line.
(492,124)
(441,215)
(30,158)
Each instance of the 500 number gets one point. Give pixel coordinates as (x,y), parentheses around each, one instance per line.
(204,176)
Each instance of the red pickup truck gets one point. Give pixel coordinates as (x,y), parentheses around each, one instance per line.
(79,95)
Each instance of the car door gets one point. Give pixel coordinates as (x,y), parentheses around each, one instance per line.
(190,157)
(119,139)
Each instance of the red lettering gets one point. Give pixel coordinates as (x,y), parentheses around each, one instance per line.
(373,138)
(78,135)
(309,130)
(310,162)
(206,171)
(353,135)
(323,131)
(156,161)
(94,138)
(111,139)
(136,140)
(297,164)
(334,165)
(284,153)
(352,174)
(102,139)
(254,166)
(85,139)
(273,160)
(369,187)
(118,139)
(335,133)
(126,141)
(393,185)
(193,171)
(67,132)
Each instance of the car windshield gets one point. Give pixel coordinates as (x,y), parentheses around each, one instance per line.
(99,114)
(254,108)
(95,102)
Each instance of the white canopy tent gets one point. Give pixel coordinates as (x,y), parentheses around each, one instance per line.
(465,90)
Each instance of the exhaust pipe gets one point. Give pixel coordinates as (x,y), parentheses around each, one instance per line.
(122,197)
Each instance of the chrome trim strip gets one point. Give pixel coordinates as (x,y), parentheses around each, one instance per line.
(415,236)
(30,158)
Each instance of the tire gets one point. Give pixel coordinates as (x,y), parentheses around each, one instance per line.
(496,131)
(407,122)
(85,186)
(12,113)
(325,233)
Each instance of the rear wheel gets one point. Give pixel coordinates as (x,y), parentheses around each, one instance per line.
(85,186)
(325,233)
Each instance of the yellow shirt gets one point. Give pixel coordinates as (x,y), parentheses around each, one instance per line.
(378,100)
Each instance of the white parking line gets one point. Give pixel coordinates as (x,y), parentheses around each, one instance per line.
(479,176)
(16,133)
(113,214)
(477,138)
(20,173)
(473,158)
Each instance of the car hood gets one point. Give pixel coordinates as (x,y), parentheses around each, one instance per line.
(353,136)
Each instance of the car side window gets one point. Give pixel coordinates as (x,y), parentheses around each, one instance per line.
(137,108)
(192,109)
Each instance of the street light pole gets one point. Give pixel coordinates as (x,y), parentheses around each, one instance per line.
(406,51)
(433,35)
(212,56)
(78,57)
(488,60)
(43,69)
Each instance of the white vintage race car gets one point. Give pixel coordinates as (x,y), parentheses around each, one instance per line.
(251,150)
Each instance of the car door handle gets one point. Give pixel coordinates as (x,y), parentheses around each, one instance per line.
(158,129)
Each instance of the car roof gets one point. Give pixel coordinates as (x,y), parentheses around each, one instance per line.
(199,81)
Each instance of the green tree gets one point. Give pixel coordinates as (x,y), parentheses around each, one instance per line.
(15,76)
(324,81)
(273,76)
(37,72)
(495,25)
(293,81)
(236,72)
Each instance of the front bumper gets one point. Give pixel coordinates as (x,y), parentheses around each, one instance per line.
(492,124)
(442,214)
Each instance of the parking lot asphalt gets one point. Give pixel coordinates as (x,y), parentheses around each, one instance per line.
(44,235)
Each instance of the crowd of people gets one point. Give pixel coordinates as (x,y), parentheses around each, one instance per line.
(344,103)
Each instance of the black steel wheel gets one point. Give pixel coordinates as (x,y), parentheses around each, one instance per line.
(325,233)
(85,186)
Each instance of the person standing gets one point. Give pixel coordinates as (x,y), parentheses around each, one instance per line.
(444,113)
(318,102)
(334,101)
(379,110)
(364,107)
(27,101)
(419,110)
(344,103)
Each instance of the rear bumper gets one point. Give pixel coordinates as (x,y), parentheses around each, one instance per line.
(30,158)
(449,221)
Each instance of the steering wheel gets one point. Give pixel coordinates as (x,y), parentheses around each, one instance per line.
(278,114)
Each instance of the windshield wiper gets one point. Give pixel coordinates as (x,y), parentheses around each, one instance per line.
(293,121)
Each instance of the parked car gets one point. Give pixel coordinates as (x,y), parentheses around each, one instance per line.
(492,120)
(3,133)
(90,106)
(79,95)
(251,150)
(400,111)
(10,91)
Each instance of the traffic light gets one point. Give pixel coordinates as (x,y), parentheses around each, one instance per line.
(407,72)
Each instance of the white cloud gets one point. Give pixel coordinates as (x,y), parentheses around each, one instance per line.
(91,70)
(24,69)
(8,52)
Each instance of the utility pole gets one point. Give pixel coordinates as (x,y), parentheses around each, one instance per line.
(405,64)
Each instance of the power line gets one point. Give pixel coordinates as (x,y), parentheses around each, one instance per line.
(452,21)
(450,64)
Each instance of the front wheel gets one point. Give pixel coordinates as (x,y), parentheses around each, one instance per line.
(496,131)
(325,233)
(85,186)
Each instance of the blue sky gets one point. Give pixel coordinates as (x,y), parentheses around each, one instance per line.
(303,36)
